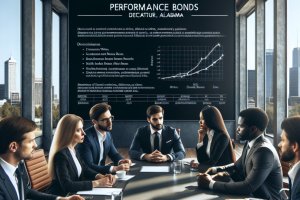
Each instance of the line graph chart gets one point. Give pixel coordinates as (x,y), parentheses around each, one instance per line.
(190,63)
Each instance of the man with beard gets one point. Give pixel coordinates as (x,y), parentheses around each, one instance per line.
(289,145)
(98,142)
(258,171)
(17,143)
(156,140)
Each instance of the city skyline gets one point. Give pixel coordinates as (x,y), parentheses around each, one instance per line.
(10,40)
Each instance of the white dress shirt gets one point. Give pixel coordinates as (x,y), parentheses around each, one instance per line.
(210,135)
(152,136)
(101,139)
(292,173)
(214,169)
(10,171)
(78,166)
(250,144)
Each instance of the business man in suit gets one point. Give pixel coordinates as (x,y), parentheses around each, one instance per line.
(98,143)
(155,142)
(17,143)
(258,169)
(289,145)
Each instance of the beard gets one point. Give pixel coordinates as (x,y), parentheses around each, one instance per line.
(157,126)
(23,156)
(103,128)
(288,155)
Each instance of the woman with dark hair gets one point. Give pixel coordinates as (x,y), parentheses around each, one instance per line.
(214,147)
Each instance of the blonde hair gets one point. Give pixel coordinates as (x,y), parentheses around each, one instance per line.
(62,138)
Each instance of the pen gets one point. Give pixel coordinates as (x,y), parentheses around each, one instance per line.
(67,194)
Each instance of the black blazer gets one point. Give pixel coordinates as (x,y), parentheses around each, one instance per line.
(8,192)
(260,172)
(90,151)
(295,191)
(67,176)
(220,152)
(170,140)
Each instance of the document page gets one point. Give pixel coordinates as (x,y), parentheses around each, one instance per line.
(155,169)
(100,191)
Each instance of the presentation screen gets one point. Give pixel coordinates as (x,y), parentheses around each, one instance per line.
(176,54)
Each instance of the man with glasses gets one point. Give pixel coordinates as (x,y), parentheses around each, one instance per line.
(98,142)
(156,141)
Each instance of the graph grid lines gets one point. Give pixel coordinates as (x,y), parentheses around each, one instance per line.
(191,63)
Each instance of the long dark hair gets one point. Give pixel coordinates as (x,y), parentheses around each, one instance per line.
(214,120)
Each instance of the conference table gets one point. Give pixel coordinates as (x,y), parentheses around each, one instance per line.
(165,185)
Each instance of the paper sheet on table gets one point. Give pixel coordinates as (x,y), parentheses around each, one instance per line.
(188,160)
(132,164)
(155,169)
(100,191)
(127,177)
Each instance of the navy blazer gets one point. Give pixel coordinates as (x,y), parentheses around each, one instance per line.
(67,174)
(295,192)
(220,152)
(8,192)
(170,140)
(90,151)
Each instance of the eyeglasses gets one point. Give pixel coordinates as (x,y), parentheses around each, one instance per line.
(106,120)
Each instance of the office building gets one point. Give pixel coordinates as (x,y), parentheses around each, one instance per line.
(10,76)
(38,92)
(294,89)
(296,57)
(251,84)
(269,73)
(2,91)
(15,98)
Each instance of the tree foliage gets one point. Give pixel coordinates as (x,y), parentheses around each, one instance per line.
(8,110)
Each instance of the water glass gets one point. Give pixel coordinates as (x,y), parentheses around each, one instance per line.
(117,195)
(177,166)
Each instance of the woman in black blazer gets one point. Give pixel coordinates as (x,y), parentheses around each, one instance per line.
(215,146)
(68,171)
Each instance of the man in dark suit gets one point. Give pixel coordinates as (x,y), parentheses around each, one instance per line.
(98,143)
(289,145)
(258,170)
(155,142)
(17,143)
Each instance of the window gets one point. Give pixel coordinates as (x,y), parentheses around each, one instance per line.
(269,45)
(251,60)
(10,58)
(293,57)
(55,70)
(38,82)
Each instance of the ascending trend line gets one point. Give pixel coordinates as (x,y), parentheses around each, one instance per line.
(190,73)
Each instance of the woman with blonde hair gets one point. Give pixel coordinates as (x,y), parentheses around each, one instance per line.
(66,168)
(215,146)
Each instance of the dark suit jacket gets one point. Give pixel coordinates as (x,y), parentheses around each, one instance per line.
(295,192)
(170,140)
(220,152)
(90,151)
(67,176)
(8,192)
(260,171)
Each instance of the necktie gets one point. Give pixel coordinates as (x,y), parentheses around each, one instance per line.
(19,183)
(248,148)
(156,141)
(290,188)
